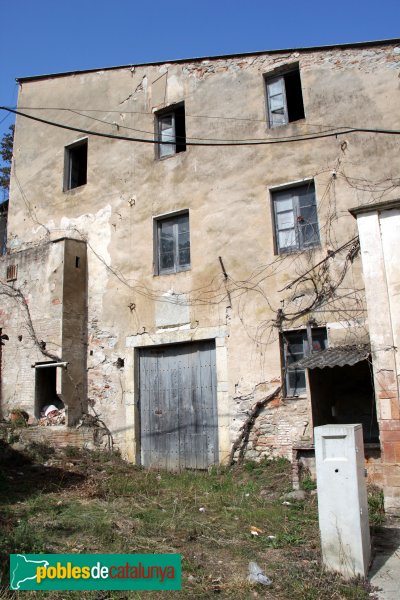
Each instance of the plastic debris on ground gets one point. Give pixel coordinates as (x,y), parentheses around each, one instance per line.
(256,575)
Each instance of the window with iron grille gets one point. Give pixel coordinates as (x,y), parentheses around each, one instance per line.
(171,131)
(296,219)
(172,244)
(295,347)
(284,98)
(12,272)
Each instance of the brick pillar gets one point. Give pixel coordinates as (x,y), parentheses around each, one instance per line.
(378,226)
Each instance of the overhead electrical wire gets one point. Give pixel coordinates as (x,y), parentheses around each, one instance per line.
(210,143)
(151,114)
(175,138)
(185,138)
(83,112)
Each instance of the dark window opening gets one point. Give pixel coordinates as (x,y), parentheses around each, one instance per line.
(296,218)
(77,262)
(46,390)
(296,347)
(76,165)
(345,395)
(284,98)
(294,96)
(173,244)
(171,131)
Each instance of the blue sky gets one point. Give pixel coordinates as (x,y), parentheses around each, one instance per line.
(45,36)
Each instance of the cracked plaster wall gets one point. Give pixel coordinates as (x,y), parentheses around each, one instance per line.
(226,191)
(44,307)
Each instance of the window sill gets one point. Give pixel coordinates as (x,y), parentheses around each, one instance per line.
(75,189)
(277,127)
(298,250)
(162,158)
(162,274)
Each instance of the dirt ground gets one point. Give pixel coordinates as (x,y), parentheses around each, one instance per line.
(75,501)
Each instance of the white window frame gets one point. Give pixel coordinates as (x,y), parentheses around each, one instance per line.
(276,119)
(166,149)
(277,110)
(167,138)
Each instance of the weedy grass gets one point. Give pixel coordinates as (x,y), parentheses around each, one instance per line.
(376,509)
(96,503)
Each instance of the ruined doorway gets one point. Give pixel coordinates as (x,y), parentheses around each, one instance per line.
(345,395)
(46,388)
(178,406)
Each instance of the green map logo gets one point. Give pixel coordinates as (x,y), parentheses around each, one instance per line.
(24,570)
(95,571)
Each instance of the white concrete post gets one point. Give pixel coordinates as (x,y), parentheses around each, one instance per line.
(342,499)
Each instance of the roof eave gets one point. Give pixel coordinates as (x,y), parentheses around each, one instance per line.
(374,207)
(215,57)
(338,356)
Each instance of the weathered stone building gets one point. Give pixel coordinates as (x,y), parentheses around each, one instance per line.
(179,234)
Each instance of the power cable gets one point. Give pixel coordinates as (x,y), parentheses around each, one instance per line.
(204,143)
(151,114)
(185,138)
(325,128)
(173,138)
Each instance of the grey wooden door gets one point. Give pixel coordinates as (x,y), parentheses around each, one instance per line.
(178,409)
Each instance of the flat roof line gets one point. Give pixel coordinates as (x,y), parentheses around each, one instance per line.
(374,207)
(215,57)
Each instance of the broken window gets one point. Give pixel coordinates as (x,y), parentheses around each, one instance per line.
(295,347)
(284,98)
(173,244)
(296,219)
(75,168)
(171,131)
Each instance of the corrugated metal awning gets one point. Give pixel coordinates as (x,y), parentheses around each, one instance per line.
(334,357)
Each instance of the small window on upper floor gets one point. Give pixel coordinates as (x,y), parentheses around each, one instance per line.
(75,165)
(172,244)
(284,98)
(295,218)
(171,131)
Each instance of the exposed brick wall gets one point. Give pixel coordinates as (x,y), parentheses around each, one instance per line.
(57,436)
(281,423)
(390,441)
